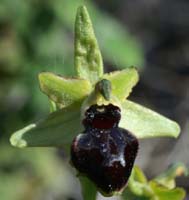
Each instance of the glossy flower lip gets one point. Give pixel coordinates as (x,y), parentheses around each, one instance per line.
(104,152)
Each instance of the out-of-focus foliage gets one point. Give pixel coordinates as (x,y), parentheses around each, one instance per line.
(33,174)
(157,189)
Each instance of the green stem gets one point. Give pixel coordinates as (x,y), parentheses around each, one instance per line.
(89,190)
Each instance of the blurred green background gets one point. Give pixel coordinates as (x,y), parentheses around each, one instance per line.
(37,35)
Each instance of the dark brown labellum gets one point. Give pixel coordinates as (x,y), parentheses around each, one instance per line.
(104,152)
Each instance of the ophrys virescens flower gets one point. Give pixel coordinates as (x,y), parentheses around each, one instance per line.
(100,114)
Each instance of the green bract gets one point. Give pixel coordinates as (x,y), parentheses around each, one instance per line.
(71,96)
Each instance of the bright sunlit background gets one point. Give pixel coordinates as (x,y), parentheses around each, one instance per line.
(37,35)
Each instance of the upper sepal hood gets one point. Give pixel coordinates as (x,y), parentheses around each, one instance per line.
(88,59)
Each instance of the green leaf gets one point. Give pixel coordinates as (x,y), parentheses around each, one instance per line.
(163,193)
(58,129)
(88,60)
(64,91)
(145,123)
(89,190)
(122,82)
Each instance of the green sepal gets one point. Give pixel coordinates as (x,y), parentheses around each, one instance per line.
(57,130)
(122,82)
(64,91)
(145,123)
(88,59)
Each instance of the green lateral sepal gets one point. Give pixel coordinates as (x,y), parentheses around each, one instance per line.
(57,130)
(145,123)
